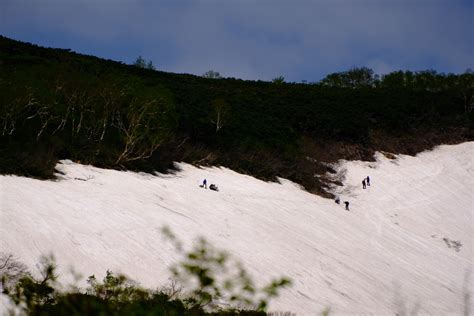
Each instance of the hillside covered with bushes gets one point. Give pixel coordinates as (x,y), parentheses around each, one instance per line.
(57,104)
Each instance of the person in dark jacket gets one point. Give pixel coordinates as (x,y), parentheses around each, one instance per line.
(363,184)
(204,184)
(347,205)
(213,187)
(368,181)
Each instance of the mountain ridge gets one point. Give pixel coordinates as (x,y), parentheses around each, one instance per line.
(57,104)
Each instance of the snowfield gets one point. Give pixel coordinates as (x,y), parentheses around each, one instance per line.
(395,251)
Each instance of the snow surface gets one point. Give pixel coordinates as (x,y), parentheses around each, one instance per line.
(391,253)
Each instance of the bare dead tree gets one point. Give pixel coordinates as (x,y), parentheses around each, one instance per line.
(136,127)
(9,123)
(110,97)
(220,113)
(209,158)
(11,270)
(13,111)
(173,290)
(468,99)
(82,105)
(69,111)
(39,111)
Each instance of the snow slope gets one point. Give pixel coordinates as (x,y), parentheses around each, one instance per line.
(392,252)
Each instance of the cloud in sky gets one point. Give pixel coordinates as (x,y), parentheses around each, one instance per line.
(299,39)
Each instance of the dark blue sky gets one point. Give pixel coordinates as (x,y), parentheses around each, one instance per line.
(255,39)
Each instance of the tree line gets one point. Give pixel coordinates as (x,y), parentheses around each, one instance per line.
(56,104)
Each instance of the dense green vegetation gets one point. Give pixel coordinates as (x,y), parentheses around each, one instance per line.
(57,104)
(206,282)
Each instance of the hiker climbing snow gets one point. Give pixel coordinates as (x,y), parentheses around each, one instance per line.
(363,184)
(347,205)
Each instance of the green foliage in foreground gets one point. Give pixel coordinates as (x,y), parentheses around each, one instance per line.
(206,282)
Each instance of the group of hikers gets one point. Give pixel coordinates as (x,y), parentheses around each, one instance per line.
(365,184)
(212,187)
(338,201)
